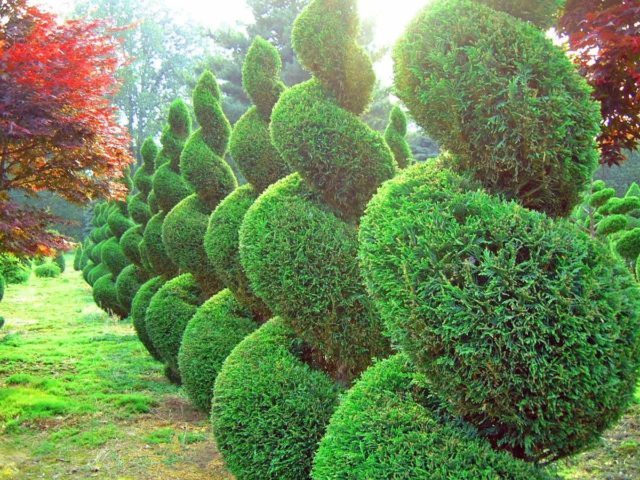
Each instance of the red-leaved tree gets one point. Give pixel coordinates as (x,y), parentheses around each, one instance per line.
(58,130)
(605,35)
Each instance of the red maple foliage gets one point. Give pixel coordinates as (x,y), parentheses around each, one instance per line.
(58,130)
(605,35)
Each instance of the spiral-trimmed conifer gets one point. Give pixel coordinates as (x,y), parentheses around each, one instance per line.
(395,135)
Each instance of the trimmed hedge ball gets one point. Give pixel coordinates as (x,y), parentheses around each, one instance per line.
(113,257)
(47,270)
(461,64)
(127,285)
(527,327)
(155,251)
(620,206)
(269,407)
(336,152)
(213,332)
(302,261)
(106,296)
(95,254)
(139,307)
(634,190)
(390,426)
(183,232)
(222,245)
(170,310)
(130,244)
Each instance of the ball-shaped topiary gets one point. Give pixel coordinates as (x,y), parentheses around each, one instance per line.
(264,387)
(222,244)
(128,283)
(213,332)
(395,136)
(620,206)
(139,307)
(113,257)
(130,244)
(105,295)
(389,425)
(170,310)
(155,250)
(498,94)
(528,328)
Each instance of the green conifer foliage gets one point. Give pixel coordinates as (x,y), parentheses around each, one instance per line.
(395,135)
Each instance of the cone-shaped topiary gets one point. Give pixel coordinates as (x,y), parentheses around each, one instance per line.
(139,307)
(128,283)
(106,296)
(528,328)
(395,136)
(634,190)
(387,426)
(216,328)
(498,94)
(170,310)
(305,225)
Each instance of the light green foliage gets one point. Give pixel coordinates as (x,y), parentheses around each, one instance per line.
(601,196)
(78,258)
(13,269)
(143,178)
(634,190)
(105,295)
(213,332)
(222,244)
(130,244)
(389,426)
(261,76)
(139,307)
(170,310)
(302,261)
(270,408)
(170,187)
(499,95)
(119,222)
(113,257)
(60,261)
(542,13)
(127,285)
(155,250)
(617,205)
(395,136)
(612,224)
(628,245)
(47,270)
(501,307)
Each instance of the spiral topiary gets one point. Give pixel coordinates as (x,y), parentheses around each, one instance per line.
(300,237)
(139,307)
(497,93)
(106,296)
(113,257)
(128,283)
(155,251)
(130,244)
(143,178)
(528,328)
(138,209)
(395,137)
(96,272)
(389,425)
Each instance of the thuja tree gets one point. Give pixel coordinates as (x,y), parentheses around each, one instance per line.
(520,332)
(396,137)
(203,167)
(229,316)
(298,246)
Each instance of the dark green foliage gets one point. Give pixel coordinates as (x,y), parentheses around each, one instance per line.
(270,408)
(119,223)
(638,269)
(634,190)
(127,285)
(183,233)
(98,271)
(152,201)
(60,261)
(612,224)
(324,38)
(395,136)
(138,209)
(155,250)
(598,185)
(3,285)
(213,332)
(89,266)
(2,322)
(499,95)
(47,270)
(143,177)
(222,245)
(77,258)
(542,13)
(527,327)
(261,76)
(628,245)
(13,269)
(333,150)
(301,260)
(620,205)
(106,296)
(130,244)
(170,310)
(113,257)
(169,187)
(601,196)
(139,307)
(387,428)
(95,254)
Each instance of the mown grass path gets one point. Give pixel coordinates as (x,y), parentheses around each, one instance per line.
(80,398)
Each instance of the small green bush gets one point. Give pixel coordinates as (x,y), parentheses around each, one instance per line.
(106,296)
(504,309)
(395,136)
(598,185)
(95,254)
(213,332)
(113,257)
(389,426)
(612,224)
(13,269)
(139,307)
(501,97)
(47,270)
(628,245)
(270,408)
(170,310)
(127,285)
(155,251)
(60,261)
(130,244)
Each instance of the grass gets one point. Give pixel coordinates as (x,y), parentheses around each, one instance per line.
(81,398)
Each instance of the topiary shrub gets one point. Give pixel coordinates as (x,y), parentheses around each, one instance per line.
(3,285)
(47,270)
(138,208)
(620,206)
(130,244)
(634,190)
(85,271)
(602,196)
(213,332)
(155,251)
(60,261)
(628,245)
(170,310)
(139,307)
(128,283)
(98,271)
(105,295)
(526,327)
(395,136)
(497,93)
(77,258)
(612,224)
(119,222)
(266,387)
(389,425)
(113,257)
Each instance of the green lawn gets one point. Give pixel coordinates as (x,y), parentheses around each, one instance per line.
(80,398)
